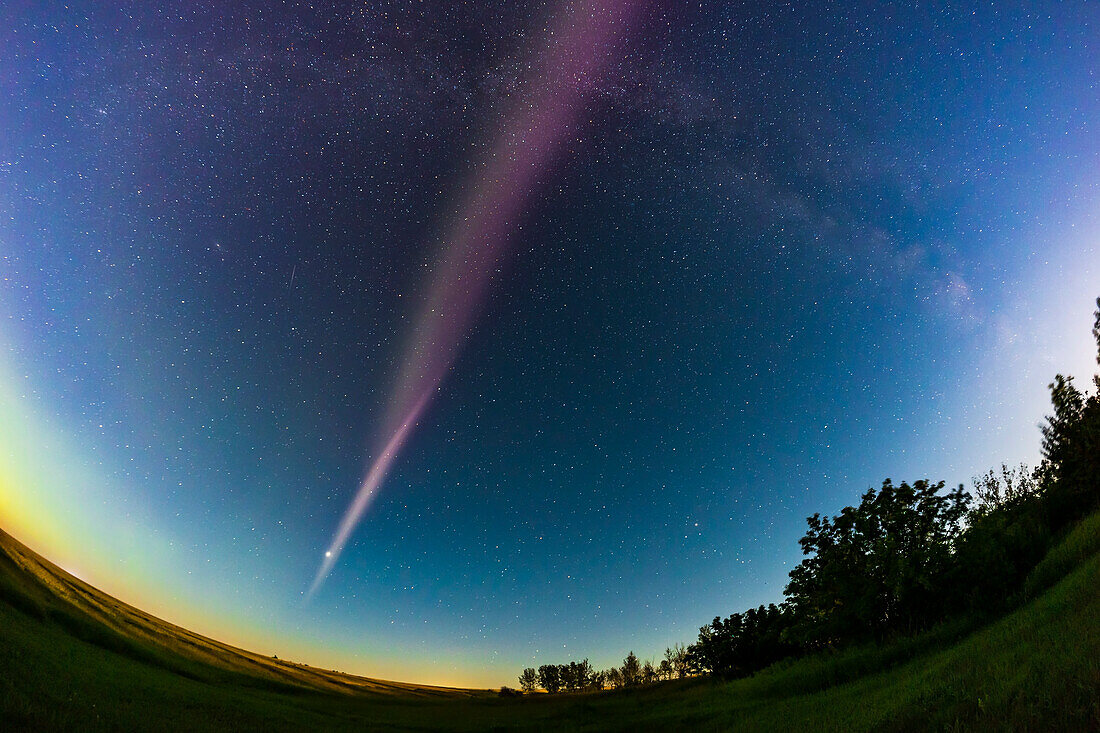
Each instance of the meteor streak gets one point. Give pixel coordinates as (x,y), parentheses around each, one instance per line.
(576,50)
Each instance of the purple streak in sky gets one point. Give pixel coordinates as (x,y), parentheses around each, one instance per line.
(576,50)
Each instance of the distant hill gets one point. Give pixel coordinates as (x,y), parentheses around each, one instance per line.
(52,600)
(74,658)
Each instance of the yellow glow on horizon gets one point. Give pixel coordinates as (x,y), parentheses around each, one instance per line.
(45,493)
(57,505)
(27,510)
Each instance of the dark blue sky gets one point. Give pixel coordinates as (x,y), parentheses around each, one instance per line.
(788,251)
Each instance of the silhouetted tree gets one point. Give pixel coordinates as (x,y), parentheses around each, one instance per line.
(550,677)
(677,656)
(585,674)
(1017,519)
(999,490)
(529,680)
(743,643)
(567,676)
(994,555)
(878,568)
(631,670)
(1071,446)
(903,559)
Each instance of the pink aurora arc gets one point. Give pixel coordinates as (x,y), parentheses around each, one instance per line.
(576,51)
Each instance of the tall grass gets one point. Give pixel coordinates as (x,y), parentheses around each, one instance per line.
(1081,543)
(1035,669)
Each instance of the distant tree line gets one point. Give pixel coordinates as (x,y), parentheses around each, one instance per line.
(577,676)
(907,557)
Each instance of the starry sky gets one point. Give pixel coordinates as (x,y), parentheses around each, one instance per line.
(762,257)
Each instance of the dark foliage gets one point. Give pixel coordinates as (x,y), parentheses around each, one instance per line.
(995,554)
(910,557)
(907,558)
(743,643)
(631,670)
(529,680)
(1071,447)
(550,677)
(877,569)
(569,677)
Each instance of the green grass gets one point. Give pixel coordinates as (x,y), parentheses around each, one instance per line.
(1035,669)
(1082,543)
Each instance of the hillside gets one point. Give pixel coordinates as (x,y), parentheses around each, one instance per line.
(72,658)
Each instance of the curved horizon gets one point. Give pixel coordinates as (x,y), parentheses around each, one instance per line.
(696,274)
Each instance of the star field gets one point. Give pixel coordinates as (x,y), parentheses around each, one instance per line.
(786,251)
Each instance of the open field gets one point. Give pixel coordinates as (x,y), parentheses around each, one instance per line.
(73,658)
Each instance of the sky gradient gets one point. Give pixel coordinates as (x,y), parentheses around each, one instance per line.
(779,255)
(572,55)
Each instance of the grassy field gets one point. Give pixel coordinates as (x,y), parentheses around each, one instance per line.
(72,658)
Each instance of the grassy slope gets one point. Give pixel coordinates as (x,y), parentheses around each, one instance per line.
(72,658)
(41,588)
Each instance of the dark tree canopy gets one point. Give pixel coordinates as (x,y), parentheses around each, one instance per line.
(906,558)
(876,569)
(1071,445)
(631,670)
(529,680)
(743,643)
(550,677)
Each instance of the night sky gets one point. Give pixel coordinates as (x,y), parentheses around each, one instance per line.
(696,272)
